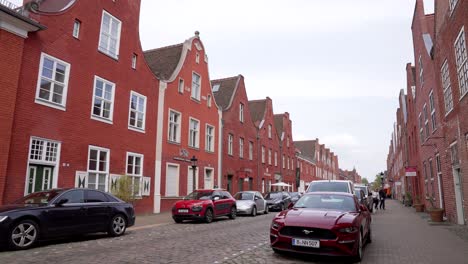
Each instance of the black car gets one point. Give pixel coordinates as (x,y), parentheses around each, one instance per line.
(294,196)
(62,212)
(278,200)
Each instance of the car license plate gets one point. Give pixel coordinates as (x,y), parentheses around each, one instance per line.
(306,243)
(183,210)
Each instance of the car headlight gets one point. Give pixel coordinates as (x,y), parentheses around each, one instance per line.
(350,229)
(197,208)
(276,225)
(3,218)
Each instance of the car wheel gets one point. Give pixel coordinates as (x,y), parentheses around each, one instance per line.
(24,234)
(118,225)
(233,213)
(277,251)
(254,211)
(266,209)
(369,236)
(209,215)
(358,256)
(178,221)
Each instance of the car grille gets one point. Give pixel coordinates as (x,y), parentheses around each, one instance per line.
(297,231)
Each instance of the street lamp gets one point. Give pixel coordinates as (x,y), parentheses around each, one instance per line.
(382,178)
(194,167)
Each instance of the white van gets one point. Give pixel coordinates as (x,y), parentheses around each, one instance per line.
(331,186)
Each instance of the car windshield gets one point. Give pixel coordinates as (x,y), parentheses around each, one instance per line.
(273,196)
(39,197)
(327,201)
(199,195)
(329,187)
(243,196)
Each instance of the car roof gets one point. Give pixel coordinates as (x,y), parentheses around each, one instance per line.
(247,192)
(332,181)
(334,193)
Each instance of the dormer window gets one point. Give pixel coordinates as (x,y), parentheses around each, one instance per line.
(241,113)
(196,83)
(76,28)
(197,58)
(134,61)
(109,38)
(269,131)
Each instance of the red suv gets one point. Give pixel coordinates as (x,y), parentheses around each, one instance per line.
(205,205)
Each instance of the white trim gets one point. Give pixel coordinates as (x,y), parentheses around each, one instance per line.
(158,149)
(179,130)
(197,139)
(16,26)
(181,81)
(99,149)
(213,138)
(199,88)
(111,111)
(190,176)
(76,28)
(138,95)
(37,99)
(117,48)
(220,146)
(177,179)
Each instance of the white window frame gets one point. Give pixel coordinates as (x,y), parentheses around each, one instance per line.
(208,101)
(195,144)
(176,126)
(446,85)
(426,121)
(76,28)
(130,110)
(197,91)
(209,138)
(276,159)
(197,58)
(181,85)
(241,147)
(134,61)
(421,71)
(461,59)
(251,150)
(49,102)
(106,172)
(135,176)
(241,112)
(452,5)
(284,161)
(111,111)
(269,156)
(263,154)
(421,128)
(269,131)
(106,50)
(230,144)
(433,111)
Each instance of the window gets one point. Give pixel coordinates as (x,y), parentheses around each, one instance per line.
(209,144)
(250,150)
(263,154)
(448,100)
(241,148)
(230,144)
(194,132)
(43,150)
(52,84)
(288,163)
(109,39)
(196,83)
(103,99)
(421,129)
(432,108)
(98,168)
(461,58)
(421,72)
(431,171)
(287,142)
(241,113)
(74,196)
(135,171)
(134,61)
(76,28)
(137,111)
(96,197)
(284,162)
(269,157)
(197,58)
(426,121)
(454,154)
(452,4)
(438,165)
(269,131)
(425,177)
(181,85)
(174,126)
(208,100)
(276,159)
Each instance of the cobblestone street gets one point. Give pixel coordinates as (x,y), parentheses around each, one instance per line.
(399,236)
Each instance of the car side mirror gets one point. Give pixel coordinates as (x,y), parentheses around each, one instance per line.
(291,205)
(61,202)
(256,198)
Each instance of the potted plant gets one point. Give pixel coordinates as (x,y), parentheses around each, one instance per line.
(417,204)
(435,212)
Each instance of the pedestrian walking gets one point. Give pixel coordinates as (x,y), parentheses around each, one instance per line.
(375,199)
(382,197)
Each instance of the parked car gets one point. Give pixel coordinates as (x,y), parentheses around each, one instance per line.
(295,196)
(323,223)
(62,212)
(250,203)
(331,186)
(205,205)
(278,200)
(362,199)
(367,195)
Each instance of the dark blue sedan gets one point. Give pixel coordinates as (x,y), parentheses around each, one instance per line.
(62,212)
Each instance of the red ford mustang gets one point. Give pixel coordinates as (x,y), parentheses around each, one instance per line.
(323,223)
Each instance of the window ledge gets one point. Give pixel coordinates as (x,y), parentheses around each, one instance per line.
(196,148)
(116,57)
(97,118)
(195,100)
(209,151)
(136,129)
(173,142)
(450,111)
(49,104)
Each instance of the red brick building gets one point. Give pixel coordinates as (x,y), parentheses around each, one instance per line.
(287,150)
(306,158)
(269,158)
(240,168)
(188,121)
(84,102)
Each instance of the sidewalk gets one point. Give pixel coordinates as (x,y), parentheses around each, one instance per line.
(400,235)
(151,220)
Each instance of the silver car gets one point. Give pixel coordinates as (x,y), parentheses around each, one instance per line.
(250,203)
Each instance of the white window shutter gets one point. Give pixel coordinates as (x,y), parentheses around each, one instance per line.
(145,186)
(81,179)
(113,182)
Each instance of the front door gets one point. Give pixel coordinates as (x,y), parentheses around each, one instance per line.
(208,179)
(229,183)
(458,196)
(39,178)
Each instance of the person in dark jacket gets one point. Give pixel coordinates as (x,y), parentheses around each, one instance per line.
(382,197)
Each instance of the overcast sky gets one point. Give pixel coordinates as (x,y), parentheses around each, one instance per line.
(336,66)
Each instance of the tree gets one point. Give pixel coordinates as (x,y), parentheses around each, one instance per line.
(125,189)
(377,182)
(364,181)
